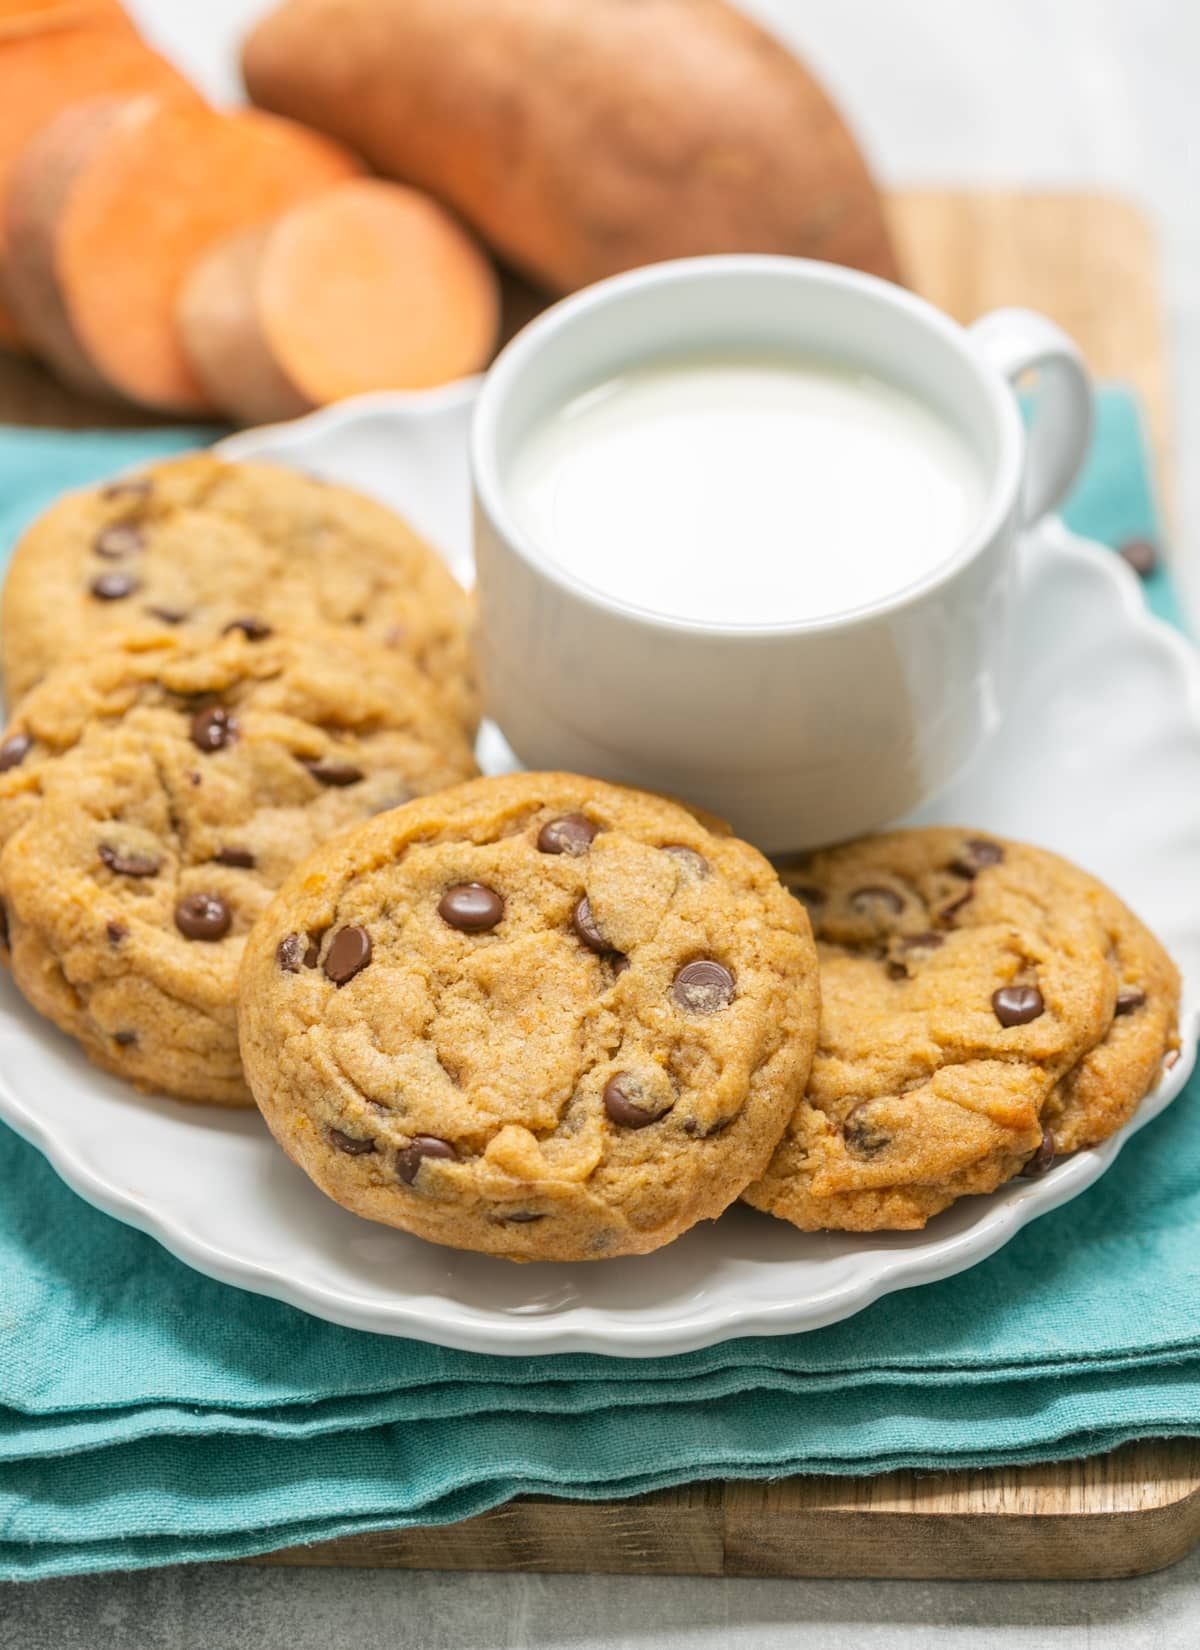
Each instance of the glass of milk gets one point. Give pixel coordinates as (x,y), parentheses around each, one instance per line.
(745,532)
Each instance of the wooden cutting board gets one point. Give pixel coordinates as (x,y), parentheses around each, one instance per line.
(1088,262)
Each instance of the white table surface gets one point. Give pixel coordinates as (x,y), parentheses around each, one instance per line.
(1020,93)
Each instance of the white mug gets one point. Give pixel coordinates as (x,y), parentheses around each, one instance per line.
(798,733)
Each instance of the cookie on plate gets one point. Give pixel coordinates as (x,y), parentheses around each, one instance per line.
(154,797)
(198,543)
(539,1016)
(964,980)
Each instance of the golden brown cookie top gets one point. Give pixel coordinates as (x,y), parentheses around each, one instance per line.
(153,799)
(962,977)
(538,1015)
(198,543)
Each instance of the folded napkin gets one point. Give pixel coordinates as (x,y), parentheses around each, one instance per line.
(148,1415)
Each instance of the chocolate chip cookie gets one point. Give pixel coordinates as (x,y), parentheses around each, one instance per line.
(975,997)
(197,543)
(153,798)
(538,1016)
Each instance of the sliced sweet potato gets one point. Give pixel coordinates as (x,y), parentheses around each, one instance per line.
(150,191)
(581,137)
(368,286)
(52,57)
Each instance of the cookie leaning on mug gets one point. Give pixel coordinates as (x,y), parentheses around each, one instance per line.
(152,799)
(539,1016)
(979,998)
(201,545)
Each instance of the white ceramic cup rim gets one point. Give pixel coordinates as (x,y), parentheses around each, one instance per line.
(540,334)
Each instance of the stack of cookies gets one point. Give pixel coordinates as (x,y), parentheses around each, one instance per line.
(210,668)
(242,855)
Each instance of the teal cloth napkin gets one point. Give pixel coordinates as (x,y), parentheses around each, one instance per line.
(149,1416)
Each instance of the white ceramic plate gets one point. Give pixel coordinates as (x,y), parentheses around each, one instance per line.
(1099,757)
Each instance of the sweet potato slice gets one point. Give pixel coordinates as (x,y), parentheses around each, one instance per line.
(52,57)
(159,185)
(581,137)
(369,286)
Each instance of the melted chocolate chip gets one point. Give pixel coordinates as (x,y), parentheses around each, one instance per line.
(521,1217)
(619,963)
(118,541)
(921,942)
(807,895)
(976,856)
(470,907)
(240,858)
(313,954)
(289,954)
(203,917)
(948,912)
(349,1144)
(116,932)
(1141,555)
(627,1103)
(572,834)
(584,924)
(125,1039)
(254,630)
(167,615)
(887,899)
(129,865)
(1016,1005)
(335,774)
(113,587)
(1042,1159)
(703,987)
(693,865)
(349,953)
(421,1146)
(212,729)
(862,1137)
(1129,998)
(14,750)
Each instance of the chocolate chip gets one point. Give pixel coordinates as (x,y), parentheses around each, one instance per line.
(921,942)
(1016,1005)
(167,615)
(572,834)
(421,1146)
(862,1137)
(627,1103)
(336,774)
(693,865)
(693,1128)
(875,895)
(289,953)
(240,858)
(1128,998)
(521,1217)
(948,912)
(1141,555)
(212,729)
(976,856)
(1041,1159)
(584,924)
(313,955)
(4,938)
(134,487)
(116,932)
(113,587)
(125,1039)
(203,917)
(807,895)
(703,987)
(348,954)
(470,907)
(349,1144)
(14,750)
(129,865)
(195,779)
(118,541)
(254,630)
(619,963)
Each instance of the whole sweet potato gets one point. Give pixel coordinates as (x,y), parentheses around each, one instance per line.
(581,137)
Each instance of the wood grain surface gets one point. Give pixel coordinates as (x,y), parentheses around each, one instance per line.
(1089,263)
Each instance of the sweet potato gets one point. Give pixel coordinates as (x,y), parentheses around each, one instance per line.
(52,56)
(581,137)
(113,216)
(368,286)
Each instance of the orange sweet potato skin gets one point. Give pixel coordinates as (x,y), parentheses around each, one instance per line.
(582,137)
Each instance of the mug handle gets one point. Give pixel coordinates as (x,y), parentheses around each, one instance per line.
(1019,341)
